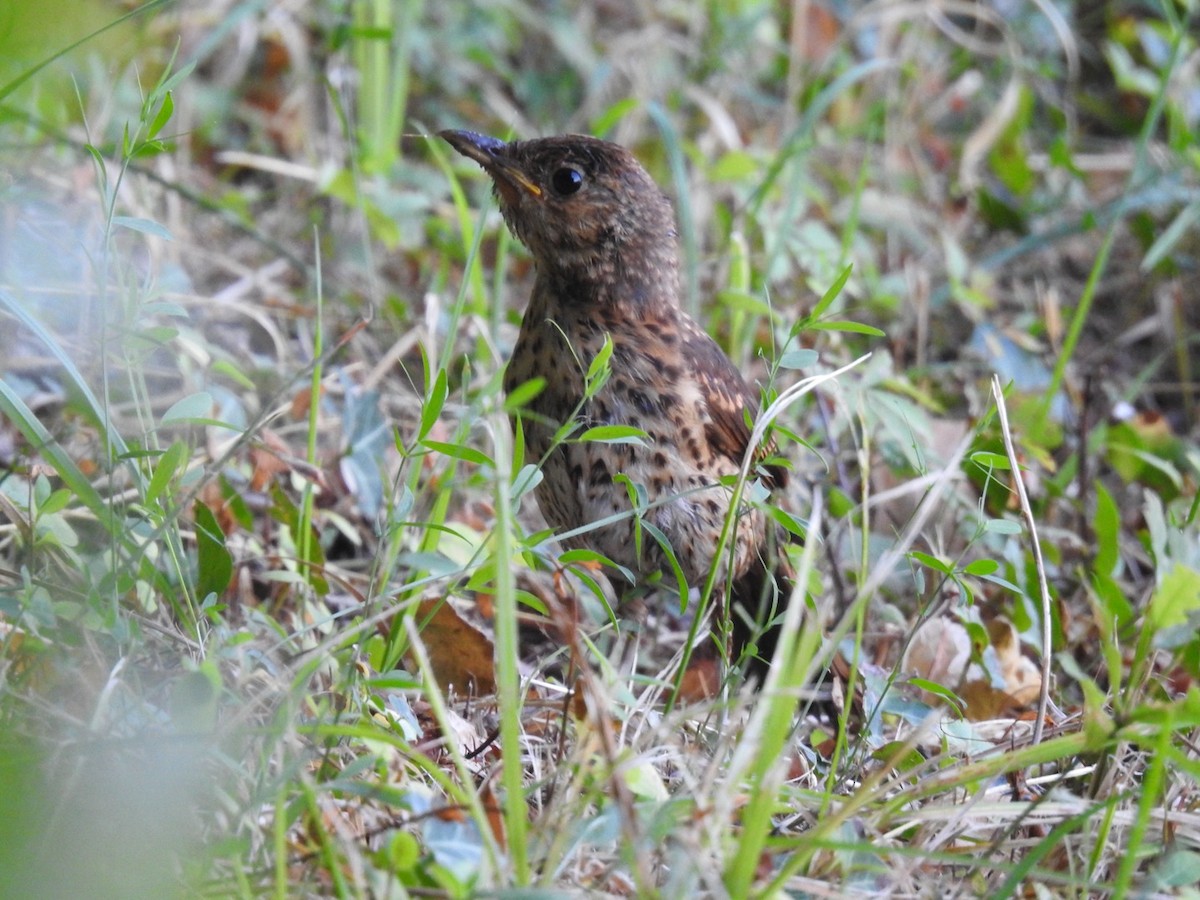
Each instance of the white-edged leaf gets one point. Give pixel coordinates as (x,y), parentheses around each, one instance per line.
(145,226)
(191,408)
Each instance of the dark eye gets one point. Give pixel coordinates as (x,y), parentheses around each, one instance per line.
(566,180)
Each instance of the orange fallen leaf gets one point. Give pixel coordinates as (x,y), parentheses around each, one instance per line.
(460,655)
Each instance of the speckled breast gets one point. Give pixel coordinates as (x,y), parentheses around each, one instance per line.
(682,496)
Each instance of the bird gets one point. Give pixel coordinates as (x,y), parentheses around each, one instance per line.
(605,251)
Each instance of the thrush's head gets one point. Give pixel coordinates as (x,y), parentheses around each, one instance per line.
(585,208)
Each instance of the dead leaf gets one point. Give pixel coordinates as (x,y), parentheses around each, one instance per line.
(301,402)
(267,459)
(495,815)
(460,655)
(940,651)
(701,681)
(815,33)
(1022,682)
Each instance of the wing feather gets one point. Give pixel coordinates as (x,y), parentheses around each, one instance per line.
(729,398)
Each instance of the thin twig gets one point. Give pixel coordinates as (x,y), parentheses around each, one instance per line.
(1043,587)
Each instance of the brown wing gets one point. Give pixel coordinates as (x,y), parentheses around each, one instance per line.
(728,398)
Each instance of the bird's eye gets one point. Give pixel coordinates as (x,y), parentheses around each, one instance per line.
(566,180)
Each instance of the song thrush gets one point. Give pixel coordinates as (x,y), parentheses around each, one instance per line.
(602,235)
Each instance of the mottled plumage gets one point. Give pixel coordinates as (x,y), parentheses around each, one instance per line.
(602,235)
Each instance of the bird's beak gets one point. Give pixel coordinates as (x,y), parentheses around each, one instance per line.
(493,155)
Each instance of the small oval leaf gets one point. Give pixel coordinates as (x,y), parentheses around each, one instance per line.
(192,407)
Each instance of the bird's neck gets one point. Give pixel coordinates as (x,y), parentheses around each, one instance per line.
(638,281)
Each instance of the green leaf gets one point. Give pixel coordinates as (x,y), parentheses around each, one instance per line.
(402,852)
(736,165)
(437,565)
(741,301)
(41,489)
(1182,225)
(1177,868)
(149,148)
(433,405)
(65,359)
(985,459)
(529,477)
(597,371)
(1005,584)
(1135,463)
(168,464)
(843,325)
(932,562)
(1060,155)
(36,434)
(157,335)
(519,397)
(589,559)
(645,782)
(792,524)
(614,114)
(1176,597)
(612,434)
(197,406)
(832,293)
(56,531)
(798,359)
(230,371)
(1112,598)
(214,563)
(1106,525)
(459,451)
(981,567)
(145,226)
(165,109)
(1002,526)
(669,552)
(1098,724)
(938,690)
(56,502)
(900,755)
(1000,214)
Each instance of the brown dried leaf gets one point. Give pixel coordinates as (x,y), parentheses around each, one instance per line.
(1022,680)
(460,655)
(495,815)
(267,458)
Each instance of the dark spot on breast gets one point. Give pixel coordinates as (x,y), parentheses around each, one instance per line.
(660,459)
(641,402)
(599,473)
(577,472)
